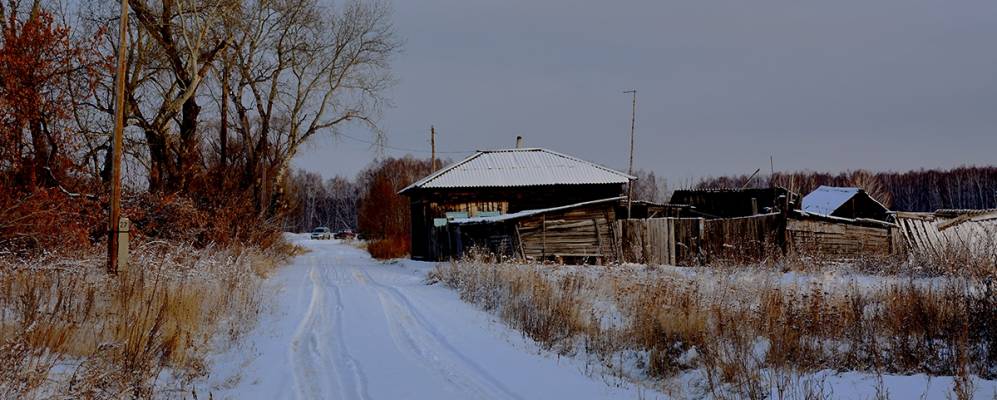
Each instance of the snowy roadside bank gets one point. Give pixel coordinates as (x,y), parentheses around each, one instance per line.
(699,332)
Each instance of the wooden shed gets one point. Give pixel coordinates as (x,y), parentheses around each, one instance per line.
(833,237)
(844,202)
(494,183)
(574,233)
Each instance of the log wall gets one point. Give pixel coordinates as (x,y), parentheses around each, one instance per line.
(584,233)
(838,240)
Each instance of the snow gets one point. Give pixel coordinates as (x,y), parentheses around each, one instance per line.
(520,167)
(349,327)
(826,199)
(345,326)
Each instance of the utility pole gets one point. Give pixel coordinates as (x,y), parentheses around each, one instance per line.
(432,142)
(771,171)
(630,171)
(119,126)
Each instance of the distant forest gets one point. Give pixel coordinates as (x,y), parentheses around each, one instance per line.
(922,190)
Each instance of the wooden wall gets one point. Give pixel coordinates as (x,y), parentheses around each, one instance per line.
(925,234)
(694,241)
(427,205)
(744,239)
(837,239)
(583,234)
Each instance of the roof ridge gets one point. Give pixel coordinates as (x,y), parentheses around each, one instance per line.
(557,155)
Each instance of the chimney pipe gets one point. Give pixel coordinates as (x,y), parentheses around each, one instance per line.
(519,142)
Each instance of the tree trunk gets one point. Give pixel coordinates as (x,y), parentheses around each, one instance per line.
(40,154)
(189,160)
(223,128)
(159,163)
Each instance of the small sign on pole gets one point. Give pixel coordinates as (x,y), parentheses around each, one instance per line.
(124,225)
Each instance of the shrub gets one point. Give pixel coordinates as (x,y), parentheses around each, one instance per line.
(392,247)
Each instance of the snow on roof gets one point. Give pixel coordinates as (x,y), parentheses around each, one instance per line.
(527,213)
(826,199)
(520,167)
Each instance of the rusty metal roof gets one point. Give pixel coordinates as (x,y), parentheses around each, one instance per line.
(517,168)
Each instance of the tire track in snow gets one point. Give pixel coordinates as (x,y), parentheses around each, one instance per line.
(410,330)
(318,346)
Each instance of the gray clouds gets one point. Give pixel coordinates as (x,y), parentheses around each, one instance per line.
(828,85)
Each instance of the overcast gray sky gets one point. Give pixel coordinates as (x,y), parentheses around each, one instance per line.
(723,84)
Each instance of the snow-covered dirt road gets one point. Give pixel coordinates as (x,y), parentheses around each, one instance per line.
(345,326)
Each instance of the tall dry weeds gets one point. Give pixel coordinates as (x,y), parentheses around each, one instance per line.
(751,334)
(68,329)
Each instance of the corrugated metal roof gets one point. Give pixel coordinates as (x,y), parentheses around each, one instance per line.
(520,167)
(826,199)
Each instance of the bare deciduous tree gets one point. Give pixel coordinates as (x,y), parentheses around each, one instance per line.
(301,69)
(175,44)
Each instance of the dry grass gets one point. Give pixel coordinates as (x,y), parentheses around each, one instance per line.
(751,334)
(68,329)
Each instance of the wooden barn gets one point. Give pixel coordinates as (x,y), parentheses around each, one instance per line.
(523,182)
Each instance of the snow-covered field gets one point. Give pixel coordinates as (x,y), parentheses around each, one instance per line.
(345,326)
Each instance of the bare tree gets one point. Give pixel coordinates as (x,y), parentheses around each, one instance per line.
(302,69)
(174,46)
(649,187)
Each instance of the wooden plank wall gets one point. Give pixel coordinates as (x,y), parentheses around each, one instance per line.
(694,241)
(438,244)
(924,234)
(579,233)
(838,240)
(648,241)
(744,239)
(658,241)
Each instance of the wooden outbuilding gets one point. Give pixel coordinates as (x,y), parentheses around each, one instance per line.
(844,202)
(494,183)
(575,233)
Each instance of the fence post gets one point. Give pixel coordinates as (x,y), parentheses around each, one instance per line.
(699,239)
(671,242)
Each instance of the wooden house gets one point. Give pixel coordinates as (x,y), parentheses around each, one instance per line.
(495,183)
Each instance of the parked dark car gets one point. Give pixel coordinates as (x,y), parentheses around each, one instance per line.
(321,233)
(347,234)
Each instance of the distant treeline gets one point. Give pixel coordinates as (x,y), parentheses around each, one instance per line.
(369,204)
(922,190)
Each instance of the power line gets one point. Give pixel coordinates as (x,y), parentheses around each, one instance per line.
(402,148)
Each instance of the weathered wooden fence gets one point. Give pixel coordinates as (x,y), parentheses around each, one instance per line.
(690,241)
(744,239)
